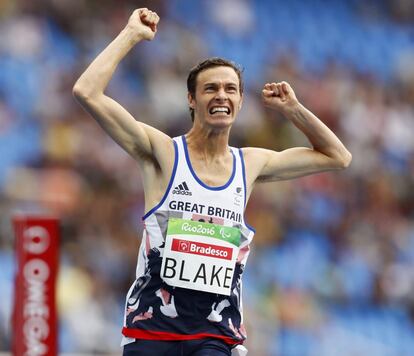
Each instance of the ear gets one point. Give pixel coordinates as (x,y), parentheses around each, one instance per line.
(191,101)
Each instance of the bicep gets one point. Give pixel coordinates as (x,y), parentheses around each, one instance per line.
(293,163)
(135,137)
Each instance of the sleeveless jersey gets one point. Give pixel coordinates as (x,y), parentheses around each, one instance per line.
(157,309)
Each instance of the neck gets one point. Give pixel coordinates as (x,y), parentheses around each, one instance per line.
(208,143)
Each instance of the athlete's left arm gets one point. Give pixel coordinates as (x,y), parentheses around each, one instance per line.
(327,152)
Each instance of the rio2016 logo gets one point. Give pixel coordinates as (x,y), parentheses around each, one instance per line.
(198,229)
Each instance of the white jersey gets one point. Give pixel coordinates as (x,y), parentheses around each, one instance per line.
(193,252)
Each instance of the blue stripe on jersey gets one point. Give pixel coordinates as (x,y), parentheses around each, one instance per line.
(187,157)
(245,188)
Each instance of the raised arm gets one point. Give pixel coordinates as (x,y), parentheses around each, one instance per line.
(327,152)
(141,141)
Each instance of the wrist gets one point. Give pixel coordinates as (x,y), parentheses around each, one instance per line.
(132,35)
(292,110)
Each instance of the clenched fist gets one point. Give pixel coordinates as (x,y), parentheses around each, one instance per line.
(279,96)
(143,23)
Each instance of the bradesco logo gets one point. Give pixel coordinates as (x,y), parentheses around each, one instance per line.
(199,248)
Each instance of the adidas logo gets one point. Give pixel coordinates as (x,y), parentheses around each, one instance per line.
(182,189)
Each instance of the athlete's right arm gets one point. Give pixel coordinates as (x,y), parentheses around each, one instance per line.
(141,141)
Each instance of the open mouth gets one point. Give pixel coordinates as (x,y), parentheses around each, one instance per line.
(219,110)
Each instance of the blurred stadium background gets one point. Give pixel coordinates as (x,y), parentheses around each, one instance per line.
(332,268)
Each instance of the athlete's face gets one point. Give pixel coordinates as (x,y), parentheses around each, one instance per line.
(217,97)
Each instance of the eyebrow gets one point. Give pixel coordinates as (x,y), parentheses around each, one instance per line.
(215,84)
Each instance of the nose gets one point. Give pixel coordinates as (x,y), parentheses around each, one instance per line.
(221,95)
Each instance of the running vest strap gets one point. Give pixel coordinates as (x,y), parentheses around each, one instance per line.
(193,252)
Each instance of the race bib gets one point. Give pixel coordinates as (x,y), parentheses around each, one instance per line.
(200,256)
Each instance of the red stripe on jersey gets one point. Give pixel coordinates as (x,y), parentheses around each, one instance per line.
(166,336)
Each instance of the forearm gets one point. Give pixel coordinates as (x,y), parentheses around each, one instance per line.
(97,76)
(320,136)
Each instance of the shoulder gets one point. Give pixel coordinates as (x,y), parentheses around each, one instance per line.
(255,161)
(255,156)
(162,144)
(163,154)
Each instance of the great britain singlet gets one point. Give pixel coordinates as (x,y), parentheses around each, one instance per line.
(193,252)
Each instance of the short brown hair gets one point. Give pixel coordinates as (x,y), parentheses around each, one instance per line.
(211,63)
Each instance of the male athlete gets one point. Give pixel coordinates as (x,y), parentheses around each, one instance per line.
(186,299)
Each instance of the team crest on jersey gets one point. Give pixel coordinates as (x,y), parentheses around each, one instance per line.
(238,196)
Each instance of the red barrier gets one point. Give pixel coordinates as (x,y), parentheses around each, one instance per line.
(34,313)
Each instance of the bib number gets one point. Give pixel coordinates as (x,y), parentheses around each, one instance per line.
(200,256)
